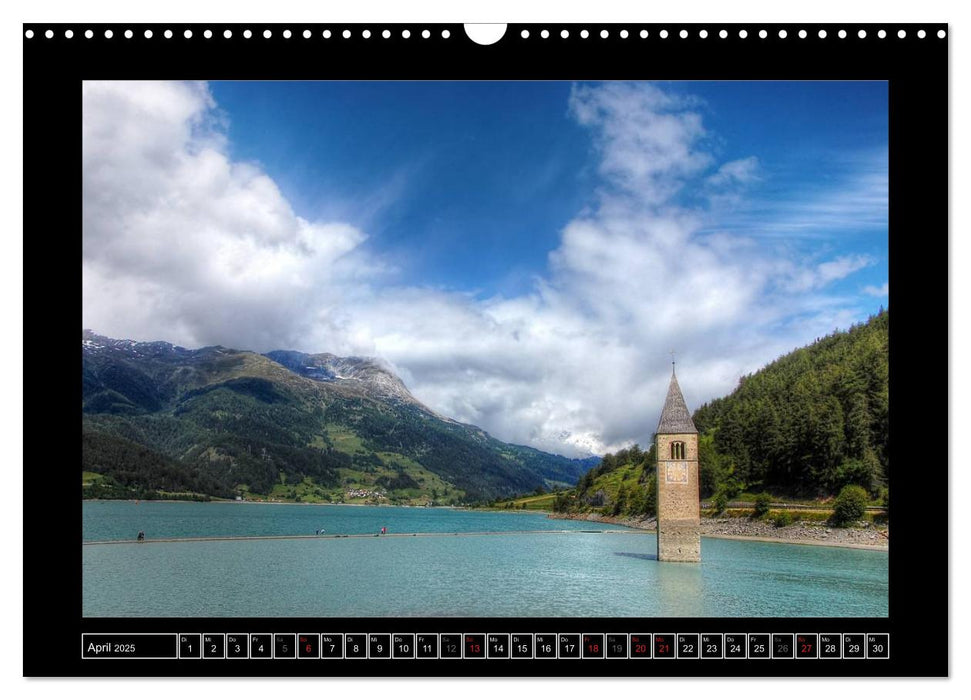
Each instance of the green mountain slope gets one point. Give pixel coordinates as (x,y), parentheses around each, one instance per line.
(224,422)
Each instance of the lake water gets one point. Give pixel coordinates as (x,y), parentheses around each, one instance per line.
(571,574)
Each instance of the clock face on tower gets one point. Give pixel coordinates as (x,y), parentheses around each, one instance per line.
(676,472)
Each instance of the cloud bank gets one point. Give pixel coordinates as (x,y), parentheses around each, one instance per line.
(182,243)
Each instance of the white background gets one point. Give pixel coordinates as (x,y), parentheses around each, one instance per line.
(11,349)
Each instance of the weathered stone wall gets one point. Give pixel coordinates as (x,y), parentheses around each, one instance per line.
(678,500)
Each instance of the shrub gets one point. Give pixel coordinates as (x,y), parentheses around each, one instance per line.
(849,506)
(719,502)
(620,501)
(782,519)
(762,502)
(636,500)
(732,487)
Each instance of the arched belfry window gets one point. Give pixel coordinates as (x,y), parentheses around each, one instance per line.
(677,450)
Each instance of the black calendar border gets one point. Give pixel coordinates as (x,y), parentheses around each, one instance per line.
(917,71)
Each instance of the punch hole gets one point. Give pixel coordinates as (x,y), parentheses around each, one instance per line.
(306,33)
(842,34)
(921,34)
(247,33)
(425,34)
(643,34)
(861,33)
(822,33)
(326,34)
(287,34)
(941,34)
(386,34)
(366,33)
(88,34)
(148,33)
(565,34)
(703,33)
(187,33)
(763,34)
(487,34)
(67,35)
(683,33)
(803,34)
(267,33)
(783,33)
(524,34)
(742,34)
(723,34)
(228,34)
(207,34)
(405,34)
(604,33)
(882,34)
(129,33)
(29,34)
(623,34)
(109,33)
(664,34)
(446,34)
(545,33)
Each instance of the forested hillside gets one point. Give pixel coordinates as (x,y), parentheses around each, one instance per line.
(808,423)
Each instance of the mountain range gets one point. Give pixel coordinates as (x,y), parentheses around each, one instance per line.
(161,420)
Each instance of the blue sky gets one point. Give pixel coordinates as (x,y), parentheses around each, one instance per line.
(524,255)
(468,185)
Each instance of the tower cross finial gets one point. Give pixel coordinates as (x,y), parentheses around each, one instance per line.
(672,360)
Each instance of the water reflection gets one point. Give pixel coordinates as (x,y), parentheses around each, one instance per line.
(637,555)
(679,588)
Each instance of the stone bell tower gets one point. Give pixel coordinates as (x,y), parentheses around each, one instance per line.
(678,495)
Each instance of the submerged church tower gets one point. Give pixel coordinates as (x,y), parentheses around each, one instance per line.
(678,496)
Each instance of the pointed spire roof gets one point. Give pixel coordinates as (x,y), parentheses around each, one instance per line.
(675,417)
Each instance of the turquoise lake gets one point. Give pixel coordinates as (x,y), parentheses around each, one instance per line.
(512,574)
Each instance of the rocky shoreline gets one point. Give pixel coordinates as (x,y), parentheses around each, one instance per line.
(866,536)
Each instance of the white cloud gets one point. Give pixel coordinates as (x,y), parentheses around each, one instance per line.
(184,244)
(809,278)
(874,291)
(736,172)
(852,198)
(646,138)
(180,242)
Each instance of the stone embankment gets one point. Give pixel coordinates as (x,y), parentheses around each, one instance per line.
(864,535)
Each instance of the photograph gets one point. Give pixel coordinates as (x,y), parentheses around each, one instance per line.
(485,349)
